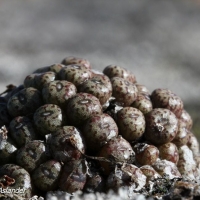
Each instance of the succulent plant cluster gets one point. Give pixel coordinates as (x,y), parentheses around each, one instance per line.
(69,127)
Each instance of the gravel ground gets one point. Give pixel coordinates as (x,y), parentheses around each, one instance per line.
(121,195)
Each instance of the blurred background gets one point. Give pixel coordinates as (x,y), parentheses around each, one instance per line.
(158,40)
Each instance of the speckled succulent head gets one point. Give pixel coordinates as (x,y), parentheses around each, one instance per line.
(116,150)
(39,80)
(145,154)
(75,74)
(32,154)
(169,151)
(46,176)
(48,118)
(124,91)
(142,89)
(99,86)
(186,118)
(67,144)
(182,136)
(25,102)
(75,60)
(22,130)
(81,107)
(165,98)
(118,71)
(58,92)
(98,130)
(125,175)
(193,144)
(143,103)
(161,126)
(73,176)
(131,123)
(12,90)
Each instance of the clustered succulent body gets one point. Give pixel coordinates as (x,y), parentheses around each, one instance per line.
(70,128)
